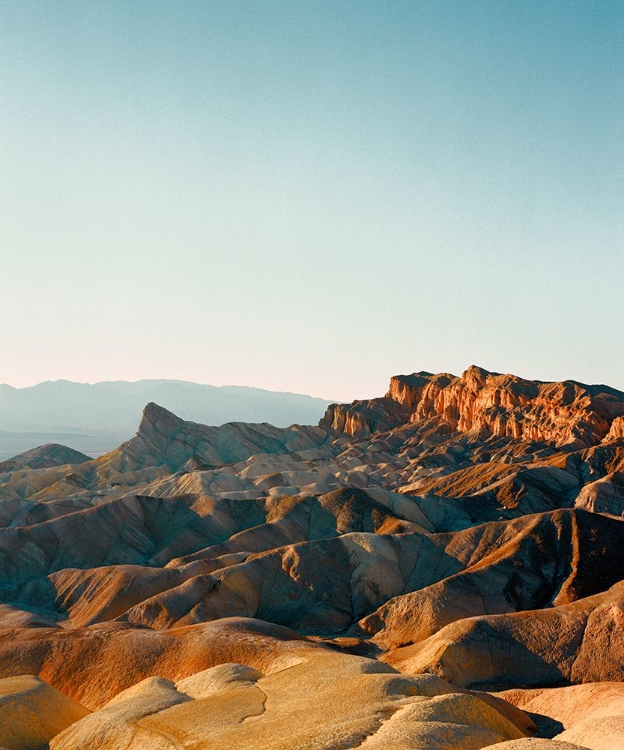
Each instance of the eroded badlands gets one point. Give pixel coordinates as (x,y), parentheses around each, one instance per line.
(439,568)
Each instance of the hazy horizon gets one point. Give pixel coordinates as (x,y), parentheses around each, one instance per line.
(94,418)
(225,386)
(311,197)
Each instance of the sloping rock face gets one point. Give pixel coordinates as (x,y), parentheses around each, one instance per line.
(591,715)
(577,642)
(560,709)
(32,712)
(538,561)
(463,531)
(44,457)
(93,665)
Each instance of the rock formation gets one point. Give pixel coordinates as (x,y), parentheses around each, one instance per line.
(357,703)
(459,533)
(486,403)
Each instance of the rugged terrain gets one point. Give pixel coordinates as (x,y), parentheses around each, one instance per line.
(410,573)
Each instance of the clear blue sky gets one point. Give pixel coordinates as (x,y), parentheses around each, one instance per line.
(311,196)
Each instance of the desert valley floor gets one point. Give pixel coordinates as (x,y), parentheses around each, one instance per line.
(441,568)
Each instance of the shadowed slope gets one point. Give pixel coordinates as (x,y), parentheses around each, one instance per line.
(538,561)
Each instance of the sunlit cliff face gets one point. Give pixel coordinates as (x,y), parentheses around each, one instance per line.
(490,404)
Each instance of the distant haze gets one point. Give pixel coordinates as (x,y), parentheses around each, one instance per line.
(96,417)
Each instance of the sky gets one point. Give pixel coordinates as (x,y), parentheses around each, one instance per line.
(311,196)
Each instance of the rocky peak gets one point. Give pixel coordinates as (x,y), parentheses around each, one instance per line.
(158,427)
(157,417)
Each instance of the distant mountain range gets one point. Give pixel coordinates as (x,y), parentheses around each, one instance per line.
(94,418)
